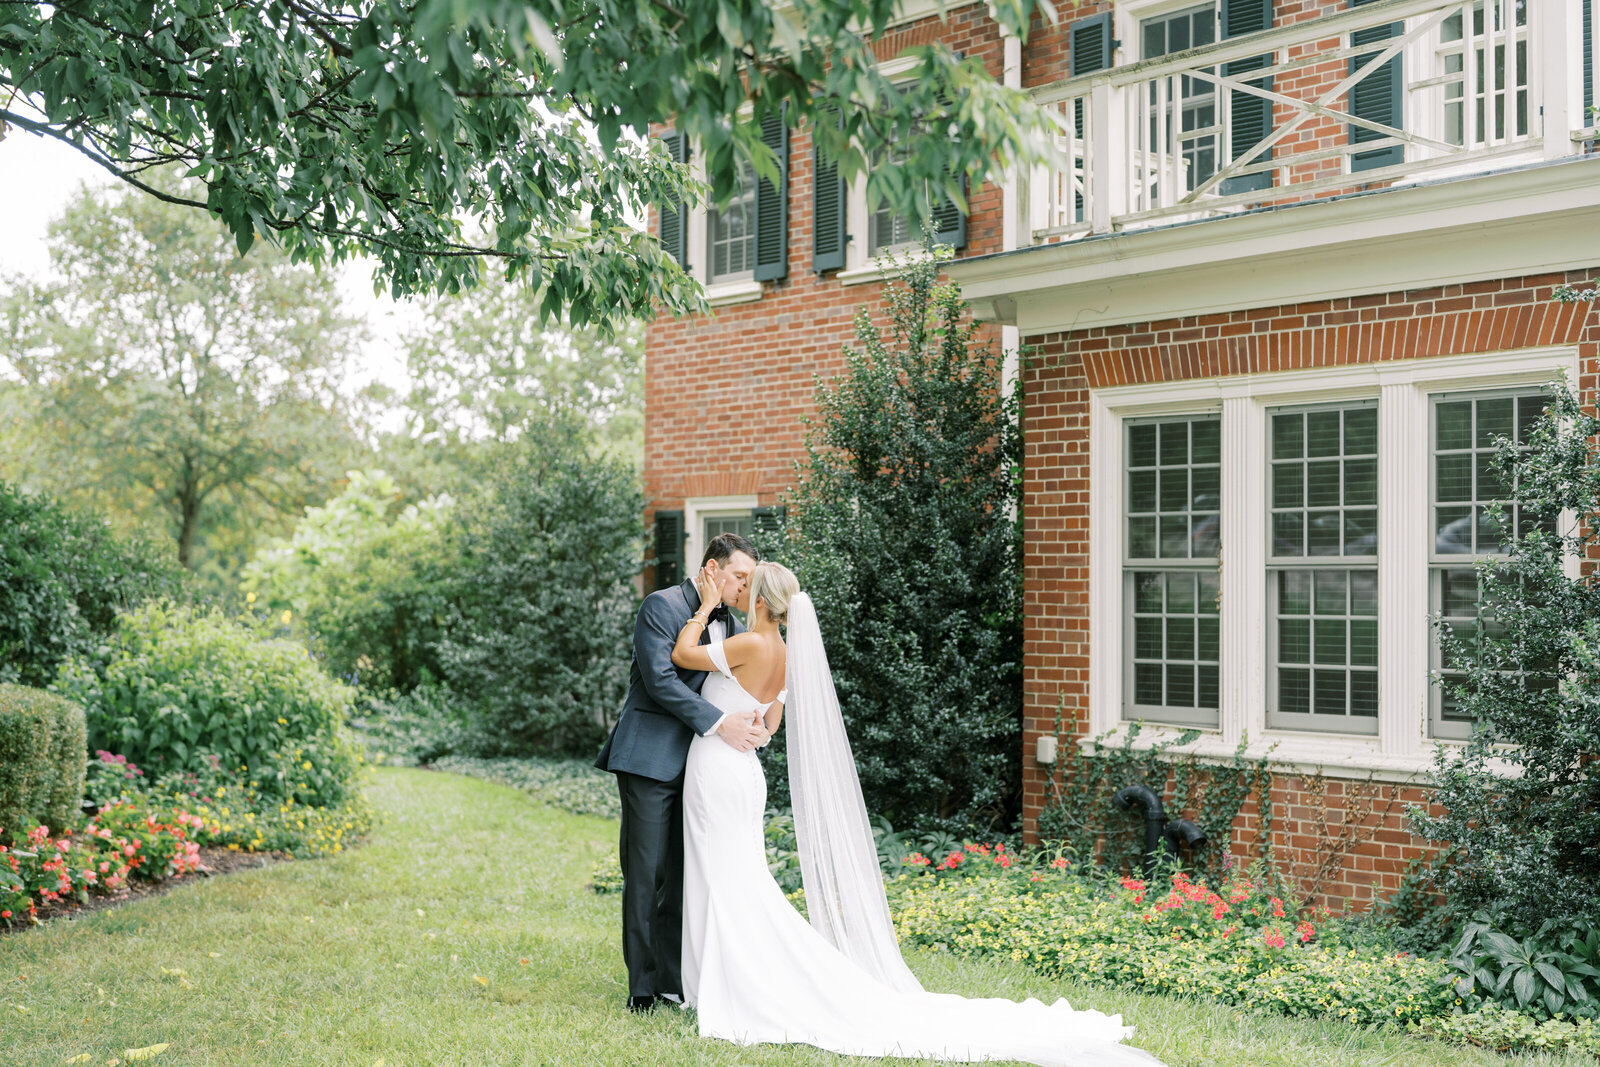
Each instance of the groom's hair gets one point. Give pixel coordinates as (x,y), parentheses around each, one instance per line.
(723,546)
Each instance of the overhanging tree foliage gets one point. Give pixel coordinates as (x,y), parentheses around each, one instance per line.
(336,129)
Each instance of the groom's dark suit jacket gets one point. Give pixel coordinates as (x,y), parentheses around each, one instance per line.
(664,709)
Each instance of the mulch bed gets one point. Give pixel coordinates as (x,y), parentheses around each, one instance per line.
(214,862)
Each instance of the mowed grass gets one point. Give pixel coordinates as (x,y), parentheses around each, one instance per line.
(511,961)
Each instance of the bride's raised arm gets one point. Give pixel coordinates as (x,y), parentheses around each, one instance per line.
(688,652)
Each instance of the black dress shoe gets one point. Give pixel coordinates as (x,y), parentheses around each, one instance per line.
(642,1004)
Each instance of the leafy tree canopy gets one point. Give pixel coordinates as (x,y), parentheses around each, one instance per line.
(171,383)
(388,128)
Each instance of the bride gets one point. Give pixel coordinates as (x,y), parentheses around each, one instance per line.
(753,968)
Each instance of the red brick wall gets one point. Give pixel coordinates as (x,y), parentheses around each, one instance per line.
(754,364)
(1487,316)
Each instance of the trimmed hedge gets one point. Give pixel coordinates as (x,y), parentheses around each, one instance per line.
(42,745)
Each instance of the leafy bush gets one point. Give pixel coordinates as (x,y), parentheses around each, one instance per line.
(1543,975)
(372,584)
(41,760)
(1236,944)
(63,578)
(176,686)
(905,529)
(539,641)
(1509,1031)
(1517,821)
(572,785)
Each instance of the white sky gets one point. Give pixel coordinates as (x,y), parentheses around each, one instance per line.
(37,176)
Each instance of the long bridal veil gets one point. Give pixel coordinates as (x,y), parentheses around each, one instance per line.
(838,857)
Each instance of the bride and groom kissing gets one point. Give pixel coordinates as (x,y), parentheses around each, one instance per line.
(703,922)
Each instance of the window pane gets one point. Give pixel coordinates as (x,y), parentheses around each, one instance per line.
(1361,483)
(1327,618)
(1361,431)
(1147,589)
(1294,691)
(1142,446)
(1453,425)
(1180,592)
(1180,686)
(1453,475)
(1207,441)
(1147,683)
(1309,497)
(1287,436)
(1174,491)
(1207,697)
(1494,420)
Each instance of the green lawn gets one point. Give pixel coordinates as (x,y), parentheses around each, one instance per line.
(329,962)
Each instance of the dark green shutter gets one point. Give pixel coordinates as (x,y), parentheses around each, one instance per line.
(1376,98)
(828,206)
(1587,120)
(1089,44)
(674,219)
(670,536)
(772,203)
(1251,115)
(948,221)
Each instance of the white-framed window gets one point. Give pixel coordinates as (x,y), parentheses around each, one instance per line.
(1327,568)
(1170,543)
(1199,133)
(731,233)
(1463,428)
(706,517)
(1322,568)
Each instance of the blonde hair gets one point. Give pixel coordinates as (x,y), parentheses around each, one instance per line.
(775,584)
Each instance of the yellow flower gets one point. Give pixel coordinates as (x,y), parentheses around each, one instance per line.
(287,615)
(249,598)
(281,722)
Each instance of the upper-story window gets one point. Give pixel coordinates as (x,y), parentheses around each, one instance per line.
(887,230)
(1197,131)
(731,234)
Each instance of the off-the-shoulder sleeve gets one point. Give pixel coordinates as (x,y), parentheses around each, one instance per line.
(720,658)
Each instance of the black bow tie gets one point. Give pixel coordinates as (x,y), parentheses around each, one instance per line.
(720,614)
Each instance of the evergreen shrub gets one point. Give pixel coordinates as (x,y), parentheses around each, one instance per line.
(63,578)
(41,760)
(547,559)
(1518,806)
(905,529)
(179,688)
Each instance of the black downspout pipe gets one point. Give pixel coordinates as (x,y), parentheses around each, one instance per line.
(1155,820)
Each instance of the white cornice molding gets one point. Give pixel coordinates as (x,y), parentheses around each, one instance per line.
(1530,220)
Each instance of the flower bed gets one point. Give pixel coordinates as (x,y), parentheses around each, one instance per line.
(120,842)
(1237,944)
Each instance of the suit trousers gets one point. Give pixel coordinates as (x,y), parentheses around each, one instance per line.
(651,853)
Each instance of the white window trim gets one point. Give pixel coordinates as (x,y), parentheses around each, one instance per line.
(1402,749)
(860,266)
(698,509)
(721,294)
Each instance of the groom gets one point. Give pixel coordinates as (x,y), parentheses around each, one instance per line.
(648,751)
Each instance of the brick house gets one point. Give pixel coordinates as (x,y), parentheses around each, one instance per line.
(1293,272)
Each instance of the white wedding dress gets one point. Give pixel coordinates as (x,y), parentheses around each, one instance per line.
(757,971)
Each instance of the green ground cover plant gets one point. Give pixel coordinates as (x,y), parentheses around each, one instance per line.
(462,933)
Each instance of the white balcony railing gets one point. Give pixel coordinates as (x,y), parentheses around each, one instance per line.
(1480,84)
